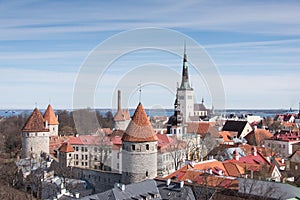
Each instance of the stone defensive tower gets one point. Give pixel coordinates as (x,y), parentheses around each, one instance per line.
(35,135)
(51,120)
(139,149)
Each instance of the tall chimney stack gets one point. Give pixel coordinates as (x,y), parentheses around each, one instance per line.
(119,100)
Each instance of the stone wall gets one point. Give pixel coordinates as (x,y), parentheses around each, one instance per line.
(34,143)
(100,180)
(139,162)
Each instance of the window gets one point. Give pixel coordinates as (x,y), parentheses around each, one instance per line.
(82,163)
(82,149)
(133,147)
(147,146)
(283,146)
(86,149)
(76,156)
(118,155)
(76,148)
(118,165)
(70,155)
(82,157)
(147,174)
(86,157)
(76,163)
(85,163)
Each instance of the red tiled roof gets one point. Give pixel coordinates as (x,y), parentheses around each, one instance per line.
(228,135)
(163,140)
(35,123)
(75,140)
(199,174)
(117,140)
(252,159)
(66,147)
(279,161)
(233,169)
(198,127)
(50,116)
(139,128)
(258,136)
(202,128)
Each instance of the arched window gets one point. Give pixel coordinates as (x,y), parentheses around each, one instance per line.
(147,146)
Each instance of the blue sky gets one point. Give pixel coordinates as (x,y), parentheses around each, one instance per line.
(254,44)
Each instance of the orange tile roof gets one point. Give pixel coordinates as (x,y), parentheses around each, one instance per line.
(258,136)
(202,128)
(163,140)
(279,160)
(233,169)
(66,147)
(200,174)
(35,123)
(50,116)
(139,128)
(228,135)
(216,181)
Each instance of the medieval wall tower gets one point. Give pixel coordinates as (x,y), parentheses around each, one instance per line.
(51,120)
(35,135)
(139,149)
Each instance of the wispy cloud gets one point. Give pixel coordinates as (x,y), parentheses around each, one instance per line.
(38,19)
(50,36)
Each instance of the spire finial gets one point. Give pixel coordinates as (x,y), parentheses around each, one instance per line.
(184,53)
(140,91)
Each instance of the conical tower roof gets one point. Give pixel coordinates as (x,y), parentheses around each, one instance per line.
(35,123)
(50,117)
(140,128)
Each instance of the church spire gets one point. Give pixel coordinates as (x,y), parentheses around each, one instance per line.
(185,83)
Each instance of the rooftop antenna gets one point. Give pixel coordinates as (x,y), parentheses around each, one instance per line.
(140,91)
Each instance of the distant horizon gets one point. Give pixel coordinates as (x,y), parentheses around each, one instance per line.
(133,108)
